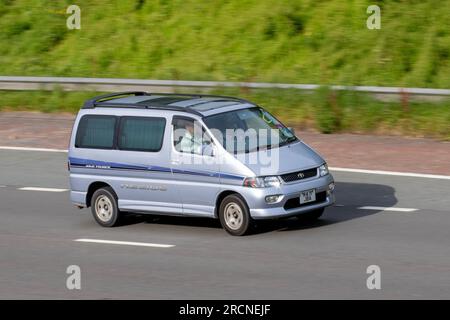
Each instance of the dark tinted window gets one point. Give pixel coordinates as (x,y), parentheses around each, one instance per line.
(141,134)
(96,132)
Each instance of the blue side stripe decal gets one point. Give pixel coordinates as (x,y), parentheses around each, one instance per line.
(231,176)
(198,173)
(95,164)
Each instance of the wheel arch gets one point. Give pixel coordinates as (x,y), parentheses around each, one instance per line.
(94,186)
(222,195)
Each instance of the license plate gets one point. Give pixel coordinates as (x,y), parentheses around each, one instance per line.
(307,196)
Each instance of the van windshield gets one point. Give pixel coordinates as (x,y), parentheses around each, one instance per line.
(248,130)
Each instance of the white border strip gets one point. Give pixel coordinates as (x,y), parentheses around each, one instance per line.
(42,189)
(31,149)
(127,243)
(392,173)
(388,209)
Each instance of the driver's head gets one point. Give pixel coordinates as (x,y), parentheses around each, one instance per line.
(189,126)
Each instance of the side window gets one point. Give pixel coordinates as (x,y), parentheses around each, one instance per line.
(190,137)
(96,132)
(141,133)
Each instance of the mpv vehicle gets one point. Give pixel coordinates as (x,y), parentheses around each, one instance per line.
(181,154)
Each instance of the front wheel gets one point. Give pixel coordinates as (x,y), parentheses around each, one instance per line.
(105,208)
(234,215)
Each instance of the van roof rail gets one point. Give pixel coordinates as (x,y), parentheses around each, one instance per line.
(148,107)
(104,101)
(91,103)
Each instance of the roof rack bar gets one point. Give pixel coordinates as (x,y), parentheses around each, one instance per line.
(200,96)
(91,102)
(141,106)
(102,101)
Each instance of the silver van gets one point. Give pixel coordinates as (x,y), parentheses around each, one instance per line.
(192,155)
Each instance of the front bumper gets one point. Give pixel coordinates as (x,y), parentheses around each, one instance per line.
(259,209)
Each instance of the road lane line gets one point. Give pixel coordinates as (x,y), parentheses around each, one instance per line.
(127,243)
(392,173)
(388,209)
(32,149)
(42,189)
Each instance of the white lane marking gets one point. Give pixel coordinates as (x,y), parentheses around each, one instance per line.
(392,173)
(42,189)
(31,149)
(127,243)
(388,209)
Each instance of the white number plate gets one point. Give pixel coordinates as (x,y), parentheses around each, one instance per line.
(308,196)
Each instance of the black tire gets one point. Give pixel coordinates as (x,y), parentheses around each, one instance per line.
(106,198)
(243,221)
(311,216)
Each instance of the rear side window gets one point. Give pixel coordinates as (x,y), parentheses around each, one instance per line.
(141,133)
(96,132)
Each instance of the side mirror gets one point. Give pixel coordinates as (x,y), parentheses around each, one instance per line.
(291,129)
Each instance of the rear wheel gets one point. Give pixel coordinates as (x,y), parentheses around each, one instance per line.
(234,215)
(105,208)
(312,215)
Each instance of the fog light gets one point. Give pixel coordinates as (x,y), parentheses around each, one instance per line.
(273,199)
(330,189)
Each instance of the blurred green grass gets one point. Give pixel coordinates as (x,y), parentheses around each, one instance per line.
(291,41)
(299,41)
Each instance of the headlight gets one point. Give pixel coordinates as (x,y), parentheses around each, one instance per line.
(271,181)
(262,182)
(323,170)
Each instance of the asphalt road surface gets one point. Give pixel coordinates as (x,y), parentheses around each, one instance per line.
(286,259)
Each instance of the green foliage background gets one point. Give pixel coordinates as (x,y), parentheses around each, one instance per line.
(306,41)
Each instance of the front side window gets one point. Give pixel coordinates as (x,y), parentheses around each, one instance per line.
(248,130)
(190,137)
(141,133)
(96,132)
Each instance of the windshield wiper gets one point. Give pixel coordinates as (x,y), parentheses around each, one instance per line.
(259,148)
(288,141)
(270,146)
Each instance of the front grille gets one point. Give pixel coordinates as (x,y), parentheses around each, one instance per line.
(299,175)
(295,202)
